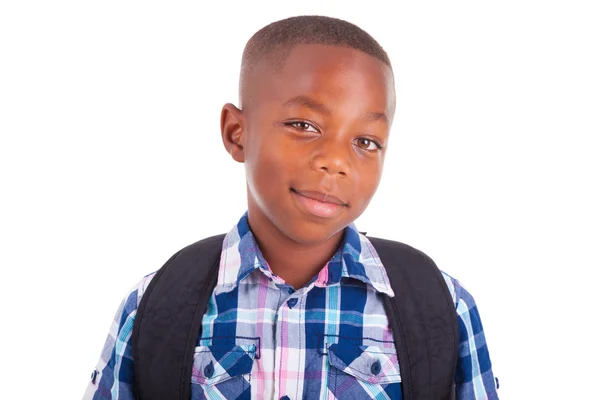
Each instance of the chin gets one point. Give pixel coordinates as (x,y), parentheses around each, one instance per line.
(309,233)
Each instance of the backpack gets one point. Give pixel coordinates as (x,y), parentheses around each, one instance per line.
(422,316)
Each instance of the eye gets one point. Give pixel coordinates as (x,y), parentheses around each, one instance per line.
(367,144)
(303,126)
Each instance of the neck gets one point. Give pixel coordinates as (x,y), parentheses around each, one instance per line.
(294,262)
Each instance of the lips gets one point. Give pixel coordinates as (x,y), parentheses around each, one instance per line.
(322,197)
(319,204)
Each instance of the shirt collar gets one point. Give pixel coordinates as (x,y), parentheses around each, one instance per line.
(355,259)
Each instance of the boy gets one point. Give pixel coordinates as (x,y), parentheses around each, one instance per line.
(297,310)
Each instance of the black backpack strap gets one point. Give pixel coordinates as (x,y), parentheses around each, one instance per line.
(169,320)
(423,319)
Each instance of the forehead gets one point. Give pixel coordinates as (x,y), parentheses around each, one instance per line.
(340,77)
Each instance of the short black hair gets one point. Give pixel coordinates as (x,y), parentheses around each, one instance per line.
(276,40)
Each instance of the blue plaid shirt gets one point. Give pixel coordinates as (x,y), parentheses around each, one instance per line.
(261,339)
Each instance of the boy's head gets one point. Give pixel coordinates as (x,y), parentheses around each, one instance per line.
(317,102)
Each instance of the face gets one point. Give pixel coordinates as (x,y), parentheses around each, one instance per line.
(313,138)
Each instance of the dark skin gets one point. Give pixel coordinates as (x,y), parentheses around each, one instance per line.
(315,129)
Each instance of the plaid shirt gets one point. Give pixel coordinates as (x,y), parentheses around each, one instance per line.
(331,339)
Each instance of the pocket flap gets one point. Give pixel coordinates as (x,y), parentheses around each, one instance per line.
(215,364)
(371,364)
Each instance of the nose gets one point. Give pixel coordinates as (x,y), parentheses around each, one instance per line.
(332,158)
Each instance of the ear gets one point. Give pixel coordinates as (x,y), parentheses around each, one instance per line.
(232,130)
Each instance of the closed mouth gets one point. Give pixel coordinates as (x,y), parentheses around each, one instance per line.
(320,196)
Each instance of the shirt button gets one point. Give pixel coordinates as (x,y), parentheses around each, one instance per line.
(209,370)
(291,303)
(376,368)
(285,398)
(94,376)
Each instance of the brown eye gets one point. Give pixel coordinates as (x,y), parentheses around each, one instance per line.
(304,126)
(367,144)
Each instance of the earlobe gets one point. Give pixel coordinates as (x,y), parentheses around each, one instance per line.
(232,131)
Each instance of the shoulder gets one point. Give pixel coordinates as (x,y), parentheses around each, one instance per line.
(415,257)
(135,294)
(140,288)
(133,297)
(463,300)
(129,304)
(454,286)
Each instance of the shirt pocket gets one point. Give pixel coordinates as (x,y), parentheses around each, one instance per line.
(363,372)
(222,371)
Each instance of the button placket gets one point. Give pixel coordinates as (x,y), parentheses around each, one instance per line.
(286,315)
(279,318)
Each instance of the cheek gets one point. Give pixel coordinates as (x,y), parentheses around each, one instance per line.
(367,184)
(272,153)
(268,167)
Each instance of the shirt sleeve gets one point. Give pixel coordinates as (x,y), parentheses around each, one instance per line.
(474,378)
(112,379)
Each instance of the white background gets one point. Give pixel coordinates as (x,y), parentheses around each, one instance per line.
(111,160)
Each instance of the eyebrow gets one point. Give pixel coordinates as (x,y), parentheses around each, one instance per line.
(305,101)
(376,116)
